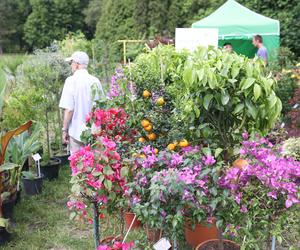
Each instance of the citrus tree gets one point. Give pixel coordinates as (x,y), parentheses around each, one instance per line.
(207,96)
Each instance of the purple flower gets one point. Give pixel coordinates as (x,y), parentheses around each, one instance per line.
(143,181)
(245,135)
(208,160)
(135,199)
(176,160)
(187,195)
(163,213)
(272,194)
(244,209)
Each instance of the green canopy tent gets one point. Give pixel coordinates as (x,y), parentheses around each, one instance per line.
(237,25)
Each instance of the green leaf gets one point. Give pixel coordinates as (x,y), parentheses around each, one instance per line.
(238,108)
(200,74)
(212,80)
(214,192)
(188,76)
(272,99)
(247,83)
(197,111)
(72,215)
(107,170)
(174,223)
(108,184)
(8,166)
(251,109)
(225,98)
(124,172)
(235,71)
(218,151)
(206,101)
(4,222)
(257,91)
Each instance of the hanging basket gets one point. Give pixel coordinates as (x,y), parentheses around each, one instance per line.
(111,239)
(214,245)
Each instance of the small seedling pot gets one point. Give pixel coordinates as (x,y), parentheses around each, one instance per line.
(51,169)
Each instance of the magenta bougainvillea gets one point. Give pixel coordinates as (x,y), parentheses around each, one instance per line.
(267,168)
(117,246)
(96,176)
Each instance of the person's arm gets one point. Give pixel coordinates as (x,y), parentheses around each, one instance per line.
(67,119)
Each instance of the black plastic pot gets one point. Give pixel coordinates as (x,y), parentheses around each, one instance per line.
(18,199)
(33,187)
(4,236)
(51,169)
(64,159)
(8,207)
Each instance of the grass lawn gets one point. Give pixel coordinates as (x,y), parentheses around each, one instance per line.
(42,222)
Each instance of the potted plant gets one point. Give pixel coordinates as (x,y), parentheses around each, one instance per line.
(265,194)
(6,189)
(172,188)
(19,149)
(33,182)
(96,182)
(47,70)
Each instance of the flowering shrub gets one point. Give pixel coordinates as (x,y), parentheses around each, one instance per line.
(110,123)
(263,190)
(171,186)
(96,177)
(117,246)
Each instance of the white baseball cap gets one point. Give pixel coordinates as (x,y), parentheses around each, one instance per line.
(79,57)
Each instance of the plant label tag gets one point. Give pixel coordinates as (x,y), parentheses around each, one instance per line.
(162,244)
(36,157)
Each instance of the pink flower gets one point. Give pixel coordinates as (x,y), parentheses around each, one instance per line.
(208,160)
(244,209)
(109,144)
(245,135)
(104,247)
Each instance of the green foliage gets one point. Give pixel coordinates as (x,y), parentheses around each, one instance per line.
(200,89)
(291,148)
(24,103)
(13,14)
(19,149)
(218,85)
(74,42)
(51,20)
(46,72)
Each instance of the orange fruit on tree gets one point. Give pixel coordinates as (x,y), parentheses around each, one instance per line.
(171,146)
(148,128)
(151,136)
(160,101)
(146,94)
(240,163)
(145,123)
(142,139)
(183,143)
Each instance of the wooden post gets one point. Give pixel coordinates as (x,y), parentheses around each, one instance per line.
(124,46)
(124,52)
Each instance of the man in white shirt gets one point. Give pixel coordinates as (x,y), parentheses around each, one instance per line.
(77,99)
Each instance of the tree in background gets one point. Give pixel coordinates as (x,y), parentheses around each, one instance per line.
(52,20)
(13,14)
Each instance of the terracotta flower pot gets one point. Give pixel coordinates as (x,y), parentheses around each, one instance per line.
(111,239)
(128,218)
(153,235)
(214,245)
(199,234)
